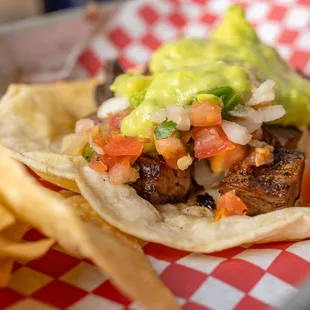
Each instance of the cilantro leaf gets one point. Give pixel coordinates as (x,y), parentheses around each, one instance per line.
(136,98)
(89,152)
(164,130)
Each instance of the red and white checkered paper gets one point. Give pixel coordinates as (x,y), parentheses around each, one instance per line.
(258,277)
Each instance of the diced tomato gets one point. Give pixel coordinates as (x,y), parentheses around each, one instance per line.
(205,114)
(98,136)
(226,159)
(122,173)
(209,141)
(111,161)
(120,145)
(116,119)
(186,136)
(170,148)
(229,204)
(305,186)
(120,170)
(97,164)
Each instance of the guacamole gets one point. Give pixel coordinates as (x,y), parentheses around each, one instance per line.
(181,69)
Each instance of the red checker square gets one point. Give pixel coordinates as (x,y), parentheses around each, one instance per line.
(288,36)
(277,12)
(208,19)
(59,294)
(229,252)
(125,63)
(182,281)
(164,253)
(108,290)
(290,268)
(238,273)
(272,245)
(16,266)
(54,263)
(193,306)
(119,37)
(304,2)
(299,59)
(148,14)
(33,235)
(90,62)
(201,2)
(177,19)
(151,41)
(9,297)
(249,302)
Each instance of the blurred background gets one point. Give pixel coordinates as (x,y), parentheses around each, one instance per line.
(13,10)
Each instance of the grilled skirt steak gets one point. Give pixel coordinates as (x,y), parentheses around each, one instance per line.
(160,184)
(278,136)
(267,188)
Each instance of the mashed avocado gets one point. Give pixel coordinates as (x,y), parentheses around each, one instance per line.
(180,69)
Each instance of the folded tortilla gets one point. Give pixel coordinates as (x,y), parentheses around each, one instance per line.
(36,125)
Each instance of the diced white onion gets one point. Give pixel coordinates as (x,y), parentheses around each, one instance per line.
(254,115)
(238,111)
(272,112)
(180,116)
(252,121)
(250,126)
(96,148)
(77,145)
(84,123)
(203,174)
(184,162)
(159,116)
(264,93)
(236,133)
(112,105)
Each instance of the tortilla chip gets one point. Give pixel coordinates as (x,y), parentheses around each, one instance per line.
(6,218)
(24,250)
(77,228)
(76,96)
(35,118)
(169,225)
(16,233)
(6,266)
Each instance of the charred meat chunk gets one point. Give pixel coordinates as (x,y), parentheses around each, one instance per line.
(280,136)
(206,200)
(270,187)
(160,184)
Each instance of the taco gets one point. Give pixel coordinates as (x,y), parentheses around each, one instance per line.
(200,153)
